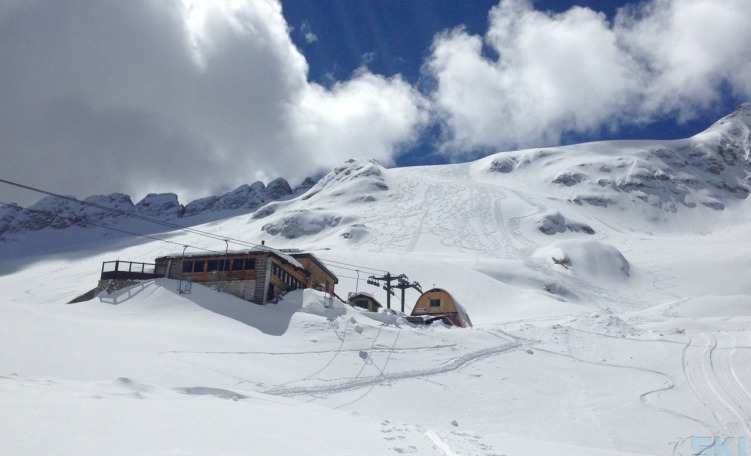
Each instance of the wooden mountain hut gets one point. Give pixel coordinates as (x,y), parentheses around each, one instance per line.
(438,304)
(259,275)
(364,301)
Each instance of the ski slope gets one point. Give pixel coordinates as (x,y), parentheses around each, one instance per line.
(625,332)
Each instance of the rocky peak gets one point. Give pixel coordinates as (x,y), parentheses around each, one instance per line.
(160,204)
(119,202)
(244,197)
(61,213)
(278,188)
(306,185)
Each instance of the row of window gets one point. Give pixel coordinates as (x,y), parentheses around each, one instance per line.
(237,264)
(286,277)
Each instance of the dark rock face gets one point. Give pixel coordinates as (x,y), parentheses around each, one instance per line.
(306,185)
(160,204)
(303,224)
(568,179)
(278,188)
(247,197)
(503,165)
(555,223)
(8,217)
(60,213)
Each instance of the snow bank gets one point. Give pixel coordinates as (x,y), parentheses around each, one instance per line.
(587,259)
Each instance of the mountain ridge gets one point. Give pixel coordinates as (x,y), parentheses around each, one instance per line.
(60,213)
(652,177)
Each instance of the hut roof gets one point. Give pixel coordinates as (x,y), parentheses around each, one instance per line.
(315,260)
(353,296)
(258,249)
(459,308)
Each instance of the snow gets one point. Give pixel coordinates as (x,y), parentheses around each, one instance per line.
(632,342)
(592,260)
(257,249)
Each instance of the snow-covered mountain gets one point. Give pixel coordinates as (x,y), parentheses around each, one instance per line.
(607,283)
(652,178)
(58,213)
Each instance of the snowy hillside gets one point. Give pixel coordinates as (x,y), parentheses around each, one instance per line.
(607,283)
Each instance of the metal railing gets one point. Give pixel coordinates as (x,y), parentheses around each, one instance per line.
(124,270)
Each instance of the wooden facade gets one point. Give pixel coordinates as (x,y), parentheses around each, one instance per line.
(364,301)
(438,304)
(259,275)
(320,277)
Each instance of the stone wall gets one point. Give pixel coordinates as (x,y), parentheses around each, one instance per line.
(243,289)
(175,269)
(263,275)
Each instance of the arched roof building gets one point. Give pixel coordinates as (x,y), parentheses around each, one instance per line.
(438,304)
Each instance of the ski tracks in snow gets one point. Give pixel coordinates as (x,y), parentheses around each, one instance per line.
(466,220)
(336,386)
(709,371)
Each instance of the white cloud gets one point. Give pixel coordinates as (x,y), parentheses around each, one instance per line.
(689,49)
(191,96)
(368,116)
(308,34)
(196,96)
(535,76)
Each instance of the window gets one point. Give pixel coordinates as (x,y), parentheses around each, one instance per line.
(237,264)
(187,266)
(250,263)
(199,266)
(362,303)
(217,265)
(286,277)
(435,303)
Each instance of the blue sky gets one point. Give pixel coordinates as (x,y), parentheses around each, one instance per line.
(394,37)
(198,97)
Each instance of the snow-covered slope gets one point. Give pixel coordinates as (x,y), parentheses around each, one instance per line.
(607,283)
(710,169)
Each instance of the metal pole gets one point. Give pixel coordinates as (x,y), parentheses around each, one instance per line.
(388,290)
(182,268)
(358,280)
(224,266)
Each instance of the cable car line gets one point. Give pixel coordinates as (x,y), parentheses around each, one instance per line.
(167,224)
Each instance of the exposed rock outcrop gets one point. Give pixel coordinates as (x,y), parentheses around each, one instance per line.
(61,213)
